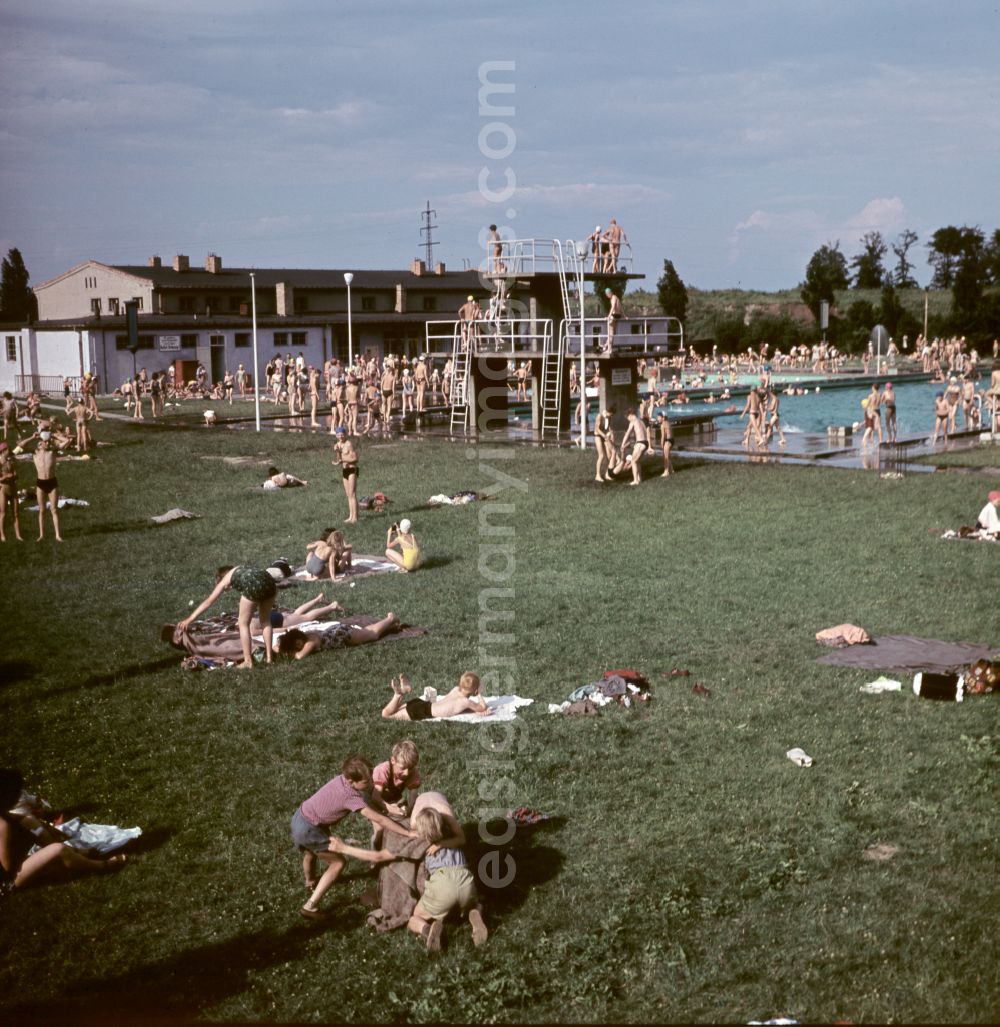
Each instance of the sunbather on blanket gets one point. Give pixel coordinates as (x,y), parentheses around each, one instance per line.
(300,644)
(312,609)
(463,698)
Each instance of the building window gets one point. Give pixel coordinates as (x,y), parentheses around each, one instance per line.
(280,339)
(95,306)
(241,340)
(145,342)
(186,304)
(113,306)
(217,340)
(189,340)
(430,303)
(137,300)
(298,338)
(12,347)
(368,303)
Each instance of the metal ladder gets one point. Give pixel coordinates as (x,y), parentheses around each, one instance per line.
(461,354)
(552,376)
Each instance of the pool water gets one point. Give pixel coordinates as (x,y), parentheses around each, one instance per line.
(816,411)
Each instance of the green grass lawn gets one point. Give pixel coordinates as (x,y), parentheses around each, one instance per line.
(691,872)
(983,456)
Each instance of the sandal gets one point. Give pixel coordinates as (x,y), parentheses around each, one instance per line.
(313,914)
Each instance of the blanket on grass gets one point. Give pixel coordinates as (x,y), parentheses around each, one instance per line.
(361,567)
(216,642)
(503,707)
(907,654)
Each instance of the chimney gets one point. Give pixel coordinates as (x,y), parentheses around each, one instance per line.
(400,298)
(284,295)
(213,263)
(181,263)
(417,267)
(154,262)
(439,268)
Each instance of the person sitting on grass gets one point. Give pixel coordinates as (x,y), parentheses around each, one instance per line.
(988,520)
(19,869)
(300,644)
(450,884)
(401,536)
(349,792)
(257,591)
(329,555)
(463,698)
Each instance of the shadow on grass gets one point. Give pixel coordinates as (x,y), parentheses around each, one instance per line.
(12,671)
(179,986)
(435,561)
(533,865)
(112,527)
(133,670)
(150,840)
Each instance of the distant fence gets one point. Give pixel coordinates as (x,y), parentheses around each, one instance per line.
(44,383)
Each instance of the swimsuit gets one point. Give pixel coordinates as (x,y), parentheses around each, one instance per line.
(254,584)
(314,565)
(47,485)
(350,469)
(419,709)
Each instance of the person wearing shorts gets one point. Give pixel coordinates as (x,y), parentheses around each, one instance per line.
(312,824)
(257,591)
(450,884)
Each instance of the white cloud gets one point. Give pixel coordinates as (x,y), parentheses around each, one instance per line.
(883,214)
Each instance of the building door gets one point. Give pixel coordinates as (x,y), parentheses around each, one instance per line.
(218,350)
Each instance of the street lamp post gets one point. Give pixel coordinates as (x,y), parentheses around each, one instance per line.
(927,290)
(581,254)
(256,370)
(348,278)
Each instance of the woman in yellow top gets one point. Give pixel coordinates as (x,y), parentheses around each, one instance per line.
(401,536)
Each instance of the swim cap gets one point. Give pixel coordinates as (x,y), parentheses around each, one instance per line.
(45,435)
(993,497)
(405,525)
(470,298)
(340,431)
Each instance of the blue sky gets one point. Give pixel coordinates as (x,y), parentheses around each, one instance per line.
(732,137)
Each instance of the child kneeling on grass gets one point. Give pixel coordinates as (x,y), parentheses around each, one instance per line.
(450,884)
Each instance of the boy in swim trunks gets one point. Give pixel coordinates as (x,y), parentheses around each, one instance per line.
(8,492)
(46,487)
(347,457)
(463,698)
(666,442)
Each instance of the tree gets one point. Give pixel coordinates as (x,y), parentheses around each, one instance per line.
(969,276)
(993,258)
(671,292)
(825,273)
(17,301)
(945,247)
(902,275)
(869,272)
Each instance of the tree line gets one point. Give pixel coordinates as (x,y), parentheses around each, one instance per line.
(963,260)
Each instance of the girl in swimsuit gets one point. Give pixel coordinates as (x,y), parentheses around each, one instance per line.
(408,557)
(257,591)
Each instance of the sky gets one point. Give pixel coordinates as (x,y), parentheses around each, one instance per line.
(733,137)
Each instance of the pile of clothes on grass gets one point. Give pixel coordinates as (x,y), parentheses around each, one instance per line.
(624,687)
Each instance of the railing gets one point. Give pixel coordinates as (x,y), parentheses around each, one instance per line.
(501,335)
(657,335)
(530,256)
(44,383)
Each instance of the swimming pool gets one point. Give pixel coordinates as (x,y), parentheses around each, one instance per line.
(816,411)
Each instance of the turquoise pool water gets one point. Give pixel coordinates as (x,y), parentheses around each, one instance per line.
(816,411)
